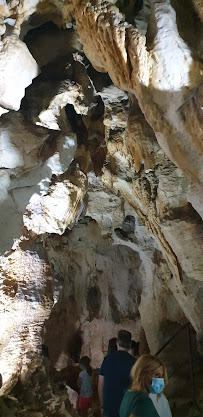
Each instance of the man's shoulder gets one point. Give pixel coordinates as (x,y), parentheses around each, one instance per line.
(103,365)
(110,356)
(120,355)
(126,356)
(114,358)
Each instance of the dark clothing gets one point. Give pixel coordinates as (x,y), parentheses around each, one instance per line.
(137,403)
(115,368)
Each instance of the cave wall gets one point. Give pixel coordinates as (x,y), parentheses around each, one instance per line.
(104,282)
(101,291)
(101,123)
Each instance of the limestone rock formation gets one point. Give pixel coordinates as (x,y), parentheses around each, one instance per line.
(26,300)
(18,68)
(101,190)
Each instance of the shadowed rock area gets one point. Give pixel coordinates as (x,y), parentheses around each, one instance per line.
(101,195)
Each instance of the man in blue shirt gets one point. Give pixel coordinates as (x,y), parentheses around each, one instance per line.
(114,376)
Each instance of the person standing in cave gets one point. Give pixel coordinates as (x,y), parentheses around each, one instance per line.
(148,376)
(85,386)
(114,376)
(134,349)
(161,404)
(112,346)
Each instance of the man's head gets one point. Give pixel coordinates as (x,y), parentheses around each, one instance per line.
(124,339)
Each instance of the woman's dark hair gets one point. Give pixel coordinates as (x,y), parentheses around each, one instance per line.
(112,347)
(85,361)
(135,348)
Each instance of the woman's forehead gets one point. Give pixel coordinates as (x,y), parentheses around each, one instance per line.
(160,369)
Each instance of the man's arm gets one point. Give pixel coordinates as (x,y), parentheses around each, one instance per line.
(100,389)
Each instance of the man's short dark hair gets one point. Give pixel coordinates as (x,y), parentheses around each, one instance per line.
(124,339)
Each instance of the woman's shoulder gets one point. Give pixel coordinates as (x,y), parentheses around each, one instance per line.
(136,396)
(138,403)
(163,398)
(144,404)
(142,397)
(161,404)
(164,404)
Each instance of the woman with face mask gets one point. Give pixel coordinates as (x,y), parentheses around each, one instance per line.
(148,376)
(158,398)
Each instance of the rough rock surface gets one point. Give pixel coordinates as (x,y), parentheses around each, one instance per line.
(162,77)
(101,188)
(26,300)
(17,68)
(107,278)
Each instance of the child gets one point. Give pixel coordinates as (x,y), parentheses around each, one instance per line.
(85,385)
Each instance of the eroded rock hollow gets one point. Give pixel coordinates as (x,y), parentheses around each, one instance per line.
(101,194)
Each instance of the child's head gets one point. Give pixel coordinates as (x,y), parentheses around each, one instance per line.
(84,364)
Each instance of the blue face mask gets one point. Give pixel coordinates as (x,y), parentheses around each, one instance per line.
(156,386)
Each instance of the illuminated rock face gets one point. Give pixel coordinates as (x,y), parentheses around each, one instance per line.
(101,183)
(26,300)
(18,68)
